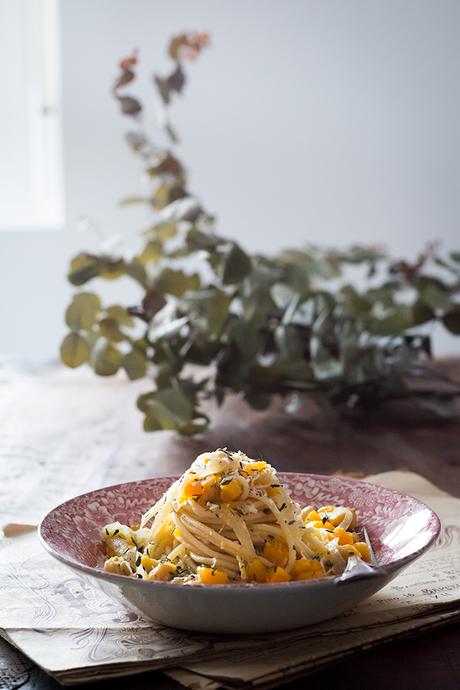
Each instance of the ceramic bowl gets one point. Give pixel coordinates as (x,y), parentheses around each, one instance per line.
(400,528)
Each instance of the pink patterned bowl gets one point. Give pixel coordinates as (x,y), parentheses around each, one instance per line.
(400,528)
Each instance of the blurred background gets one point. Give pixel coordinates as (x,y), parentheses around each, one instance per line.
(322,122)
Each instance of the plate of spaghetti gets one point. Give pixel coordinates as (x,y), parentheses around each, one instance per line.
(233,546)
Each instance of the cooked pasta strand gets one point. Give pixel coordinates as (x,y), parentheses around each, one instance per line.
(228,518)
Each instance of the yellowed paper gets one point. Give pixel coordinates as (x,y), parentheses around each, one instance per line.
(67,625)
(421,597)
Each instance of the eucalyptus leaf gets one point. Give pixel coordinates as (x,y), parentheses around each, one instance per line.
(137,272)
(168,409)
(135,364)
(354,303)
(161,231)
(82,311)
(236,264)
(213,304)
(129,105)
(153,302)
(133,200)
(107,359)
(451,320)
(85,266)
(151,253)
(125,78)
(173,83)
(422,313)
(398,320)
(74,350)
(434,296)
(197,239)
(110,329)
(120,314)
(290,341)
(176,282)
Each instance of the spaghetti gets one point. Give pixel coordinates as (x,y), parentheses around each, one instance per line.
(229,519)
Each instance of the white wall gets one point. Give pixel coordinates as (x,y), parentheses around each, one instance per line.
(329,122)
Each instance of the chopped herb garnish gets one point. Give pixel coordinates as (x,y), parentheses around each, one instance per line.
(331,531)
(106,530)
(138,575)
(316,558)
(325,519)
(275,486)
(138,561)
(226,481)
(115,533)
(291,522)
(282,507)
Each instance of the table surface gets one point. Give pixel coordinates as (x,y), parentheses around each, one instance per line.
(396,437)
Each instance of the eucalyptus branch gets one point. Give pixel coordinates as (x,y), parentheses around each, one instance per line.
(256,325)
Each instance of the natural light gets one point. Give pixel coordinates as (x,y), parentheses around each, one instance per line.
(30,117)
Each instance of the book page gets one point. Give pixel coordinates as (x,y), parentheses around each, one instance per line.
(40,597)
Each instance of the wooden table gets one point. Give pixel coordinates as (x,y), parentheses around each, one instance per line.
(394,438)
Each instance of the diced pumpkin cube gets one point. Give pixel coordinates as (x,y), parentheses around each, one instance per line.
(336,520)
(231,491)
(349,550)
(195,488)
(364,550)
(256,571)
(305,568)
(276,552)
(279,575)
(327,525)
(256,466)
(343,536)
(211,480)
(313,515)
(163,572)
(210,576)
(148,563)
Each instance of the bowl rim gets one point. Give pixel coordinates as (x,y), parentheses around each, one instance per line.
(376,570)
